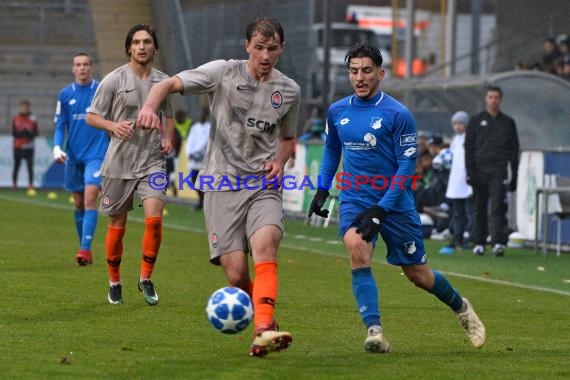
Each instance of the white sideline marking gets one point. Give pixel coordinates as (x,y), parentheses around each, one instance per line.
(178,227)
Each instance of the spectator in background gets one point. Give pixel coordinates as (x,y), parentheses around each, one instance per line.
(566,69)
(182,123)
(25,130)
(172,161)
(491,144)
(563,66)
(458,191)
(313,127)
(433,201)
(563,44)
(436,174)
(422,144)
(423,168)
(550,56)
(196,146)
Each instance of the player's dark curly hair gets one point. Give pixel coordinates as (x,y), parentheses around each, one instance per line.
(267,27)
(136,28)
(364,50)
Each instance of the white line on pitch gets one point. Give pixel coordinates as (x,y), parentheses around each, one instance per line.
(178,227)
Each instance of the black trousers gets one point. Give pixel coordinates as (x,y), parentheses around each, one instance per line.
(461,220)
(28,155)
(490,209)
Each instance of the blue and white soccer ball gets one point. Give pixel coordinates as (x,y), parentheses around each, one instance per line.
(229,310)
(442,161)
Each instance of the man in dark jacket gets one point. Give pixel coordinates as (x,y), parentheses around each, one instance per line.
(491,143)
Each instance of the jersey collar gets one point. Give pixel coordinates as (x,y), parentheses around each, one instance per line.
(373,101)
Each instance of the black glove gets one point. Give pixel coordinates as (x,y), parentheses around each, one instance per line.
(471,180)
(512,185)
(369,222)
(318,203)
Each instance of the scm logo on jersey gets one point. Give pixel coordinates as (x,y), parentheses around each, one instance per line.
(276,99)
(262,125)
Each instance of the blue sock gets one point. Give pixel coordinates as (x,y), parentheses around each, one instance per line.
(366,295)
(79,223)
(89,225)
(443,290)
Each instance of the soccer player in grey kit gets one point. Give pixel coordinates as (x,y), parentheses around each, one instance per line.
(134,155)
(254,110)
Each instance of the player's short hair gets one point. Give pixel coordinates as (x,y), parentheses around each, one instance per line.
(82,54)
(25,102)
(494,88)
(362,51)
(265,26)
(136,28)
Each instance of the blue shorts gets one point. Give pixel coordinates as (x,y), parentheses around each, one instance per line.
(402,233)
(80,174)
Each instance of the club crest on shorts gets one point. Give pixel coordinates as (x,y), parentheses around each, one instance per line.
(214,240)
(276,99)
(410,247)
(106,201)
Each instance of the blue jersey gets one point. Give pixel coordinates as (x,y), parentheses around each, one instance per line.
(378,143)
(84,143)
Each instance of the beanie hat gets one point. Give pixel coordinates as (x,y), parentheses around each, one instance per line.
(460,117)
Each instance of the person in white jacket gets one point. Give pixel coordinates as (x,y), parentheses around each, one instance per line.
(196,145)
(458,191)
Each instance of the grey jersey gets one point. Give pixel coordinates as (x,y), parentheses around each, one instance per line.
(119,97)
(248,116)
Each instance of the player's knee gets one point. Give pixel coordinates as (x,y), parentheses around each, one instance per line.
(360,254)
(419,280)
(355,245)
(238,280)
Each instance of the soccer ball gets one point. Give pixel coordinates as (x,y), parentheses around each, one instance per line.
(229,310)
(443,160)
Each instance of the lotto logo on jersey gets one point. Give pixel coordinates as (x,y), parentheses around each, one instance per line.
(410,152)
(276,99)
(409,139)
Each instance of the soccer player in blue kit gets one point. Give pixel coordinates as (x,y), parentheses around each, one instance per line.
(376,136)
(85,151)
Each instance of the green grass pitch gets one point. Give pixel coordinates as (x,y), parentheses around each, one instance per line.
(55,321)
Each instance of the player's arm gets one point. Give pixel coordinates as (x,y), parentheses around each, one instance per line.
(60,120)
(148,117)
(167,133)
(15,131)
(329,165)
(331,153)
(406,154)
(167,140)
(123,130)
(102,106)
(36,129)
(514,157)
